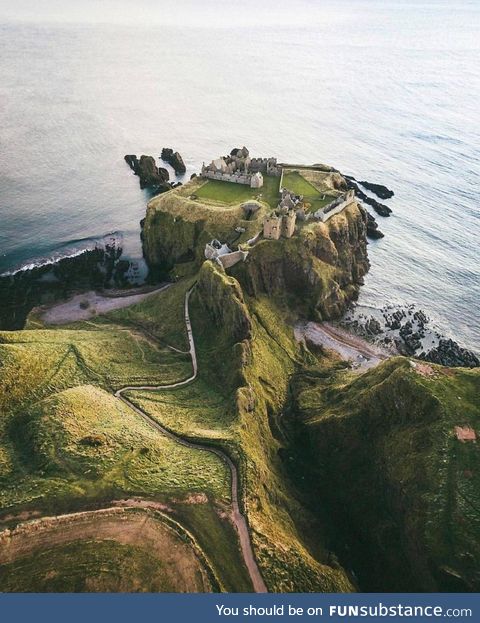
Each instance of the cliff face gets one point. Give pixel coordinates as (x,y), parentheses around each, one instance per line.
(168,239)
(177,227)
(381,452)
(248,352)
(222,298)
(318,271)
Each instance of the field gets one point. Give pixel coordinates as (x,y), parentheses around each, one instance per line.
(295,182)
(230,193)
(121,550)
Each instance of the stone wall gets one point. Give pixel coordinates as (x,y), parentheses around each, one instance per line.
(228,177)
(335,206)
(230,259)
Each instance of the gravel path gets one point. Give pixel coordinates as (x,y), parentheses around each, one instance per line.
(237,516)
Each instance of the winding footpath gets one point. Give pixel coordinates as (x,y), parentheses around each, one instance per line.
(237,516)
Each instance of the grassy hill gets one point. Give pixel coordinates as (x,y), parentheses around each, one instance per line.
(381,452)
(66,443)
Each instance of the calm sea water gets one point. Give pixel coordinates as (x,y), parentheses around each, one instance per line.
(386,91)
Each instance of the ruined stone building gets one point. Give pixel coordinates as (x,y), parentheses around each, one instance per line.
(279,224)
(239,168)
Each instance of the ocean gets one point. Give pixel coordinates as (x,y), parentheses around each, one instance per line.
(386,91)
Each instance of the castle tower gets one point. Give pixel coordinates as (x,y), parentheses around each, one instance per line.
(272,226)
(256,180)
(288,224)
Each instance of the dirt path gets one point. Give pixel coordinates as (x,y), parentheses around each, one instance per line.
(350,347)
(90,304)
(237,516)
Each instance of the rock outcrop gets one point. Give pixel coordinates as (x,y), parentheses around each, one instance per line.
(174,159)
(408,331)
(372,226)
(449,353)
(381,191)
(149,174)
(379,208)
(222,298)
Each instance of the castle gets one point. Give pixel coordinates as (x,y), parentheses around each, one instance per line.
(239,168)
(277,224)
(281,222)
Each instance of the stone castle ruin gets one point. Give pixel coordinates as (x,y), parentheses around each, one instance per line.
(223,255)
(239,168)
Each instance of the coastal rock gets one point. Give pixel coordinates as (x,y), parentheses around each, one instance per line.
(149,174)
(98,268)
(449,353)
(381,191)
(132,162)
(379,208)
(372,226)
(174,159)
(408,329)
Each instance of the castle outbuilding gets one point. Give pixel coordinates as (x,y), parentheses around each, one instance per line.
(276,225)
(256,180)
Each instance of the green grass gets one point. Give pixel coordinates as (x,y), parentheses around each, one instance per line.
(66,443)
(83,444)
(230,193)
(219,540)
(196,410)
(161,315)
(295,182)
(108,355)
(86,566)
(381,448)
(247,352)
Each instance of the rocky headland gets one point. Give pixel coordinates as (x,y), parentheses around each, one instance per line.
(350,475)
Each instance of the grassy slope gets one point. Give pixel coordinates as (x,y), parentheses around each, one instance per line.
(295,182)
(248,376)
(51,398)
(85,567)
(404,490)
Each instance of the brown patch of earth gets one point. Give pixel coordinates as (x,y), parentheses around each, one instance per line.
(184,567)
(465,433)
(423,368)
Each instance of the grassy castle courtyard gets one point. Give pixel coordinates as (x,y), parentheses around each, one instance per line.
(231,193)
